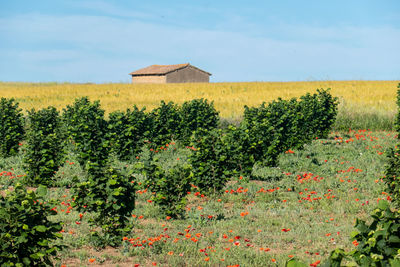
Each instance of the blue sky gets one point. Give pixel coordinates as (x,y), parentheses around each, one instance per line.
(102,41)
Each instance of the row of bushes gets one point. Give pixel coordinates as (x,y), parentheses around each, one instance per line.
(126,130)
(218,154)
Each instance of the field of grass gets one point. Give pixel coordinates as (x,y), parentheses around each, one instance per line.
(304,208)
(363,104)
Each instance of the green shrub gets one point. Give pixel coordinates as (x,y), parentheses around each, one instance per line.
(128,131)
(208,160)
(43,153)
(87,129)
(272,129)
(26,233)
(11,127)
(392,174)
(196,114)
(397,121)
(238,150)
(392,171)
(288,124)
(170,185)
(111,196)
(326,114)
(378,243)
(165,124)
(105,191)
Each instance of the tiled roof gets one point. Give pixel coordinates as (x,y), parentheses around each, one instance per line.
(162,69)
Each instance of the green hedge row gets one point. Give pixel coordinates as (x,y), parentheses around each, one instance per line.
(218,154)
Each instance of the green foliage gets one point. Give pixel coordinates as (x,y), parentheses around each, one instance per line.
(397,121)
(170,185)
(272,129)
(196,114)
(238,150)
(326,112)
(288,124)
(392,174)
(379,241)
(210,168)
(11,127)
(87,129)
(43,151)
(105,191)
(166,123)
(128,131)
(26,233)
(112,197)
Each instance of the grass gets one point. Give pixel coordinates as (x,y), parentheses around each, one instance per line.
(303,208)
(366,104)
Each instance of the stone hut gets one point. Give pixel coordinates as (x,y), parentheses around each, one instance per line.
(179,73)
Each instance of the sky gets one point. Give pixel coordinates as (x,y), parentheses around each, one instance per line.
(288,40)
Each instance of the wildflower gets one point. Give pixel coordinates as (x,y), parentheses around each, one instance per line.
(91,260)
(315,263)
(170,253)
(244,213)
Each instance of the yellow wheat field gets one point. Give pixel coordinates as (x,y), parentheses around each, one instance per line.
(229,98)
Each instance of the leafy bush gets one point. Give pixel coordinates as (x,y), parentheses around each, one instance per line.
(170,185)
(11,127)
(392,174)
(112,197)
(196,114)
(43,151)
(238,150)
(26,233)
(166,123)
(208,160)
(325,114)
(397,121)
(378,244)
(272,129)
(87,129)
(286,124)
(128,131)
(106,192)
